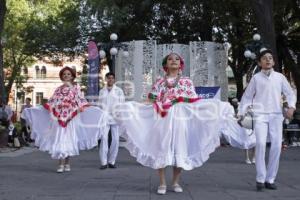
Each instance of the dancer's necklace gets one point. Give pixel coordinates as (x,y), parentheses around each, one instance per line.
(172,85)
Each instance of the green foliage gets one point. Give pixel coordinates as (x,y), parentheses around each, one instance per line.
(52,28)
(37,28)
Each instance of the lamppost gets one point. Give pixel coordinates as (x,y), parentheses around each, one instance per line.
(253,48)
(113,47)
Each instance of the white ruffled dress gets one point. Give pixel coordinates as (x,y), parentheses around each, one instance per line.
(178,129)
(66,124)
(233,133)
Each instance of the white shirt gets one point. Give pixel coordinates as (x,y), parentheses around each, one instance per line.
(265,93)
(109,99)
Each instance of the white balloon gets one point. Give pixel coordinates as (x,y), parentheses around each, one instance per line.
(256,37)
(113,37)
(113,51)
(253,56)
(102,54)
(247,53)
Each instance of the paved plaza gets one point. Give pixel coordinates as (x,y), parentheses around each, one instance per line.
(29,174)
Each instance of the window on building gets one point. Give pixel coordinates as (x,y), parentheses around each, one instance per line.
(37,72)
(39,98)
(25,71)
(43,72)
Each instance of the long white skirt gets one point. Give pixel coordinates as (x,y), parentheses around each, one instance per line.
(81,133)
(184,138)
(234,134)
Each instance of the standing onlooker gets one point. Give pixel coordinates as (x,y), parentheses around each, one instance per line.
(109,97)
(25,128)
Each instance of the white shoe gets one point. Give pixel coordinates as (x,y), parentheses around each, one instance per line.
(253,161)
(298,144)
(248,161)
(67,168)
(177,188)
(294,144)
(60,169)
(162,189)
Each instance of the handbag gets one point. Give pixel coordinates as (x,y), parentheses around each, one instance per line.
(247,121)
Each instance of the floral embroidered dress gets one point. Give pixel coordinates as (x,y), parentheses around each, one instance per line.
(176,130)
(66,124)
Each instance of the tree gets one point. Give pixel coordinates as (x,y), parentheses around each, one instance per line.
(34,29)
(181,21)
(129,19)
(233,23)
(2,15)
(265,22)
(287,26)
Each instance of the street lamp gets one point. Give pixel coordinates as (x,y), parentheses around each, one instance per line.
(253,48)
(112,47)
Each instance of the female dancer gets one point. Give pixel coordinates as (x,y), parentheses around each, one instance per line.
(180,131)
(66,124)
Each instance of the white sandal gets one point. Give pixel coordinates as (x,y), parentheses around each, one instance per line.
(60,169)
(177,188)
(162,189)
(67,168)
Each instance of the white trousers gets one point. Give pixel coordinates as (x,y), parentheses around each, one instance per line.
(109,155)
(268,125)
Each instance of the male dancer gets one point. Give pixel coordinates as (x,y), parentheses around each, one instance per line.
(109,97)
(264,94)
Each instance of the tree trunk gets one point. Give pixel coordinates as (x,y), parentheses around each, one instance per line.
(207,26)
(263,10)
(2,15)
(239,85)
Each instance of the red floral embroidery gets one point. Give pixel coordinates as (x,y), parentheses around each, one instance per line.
(166,97)
(65,103)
